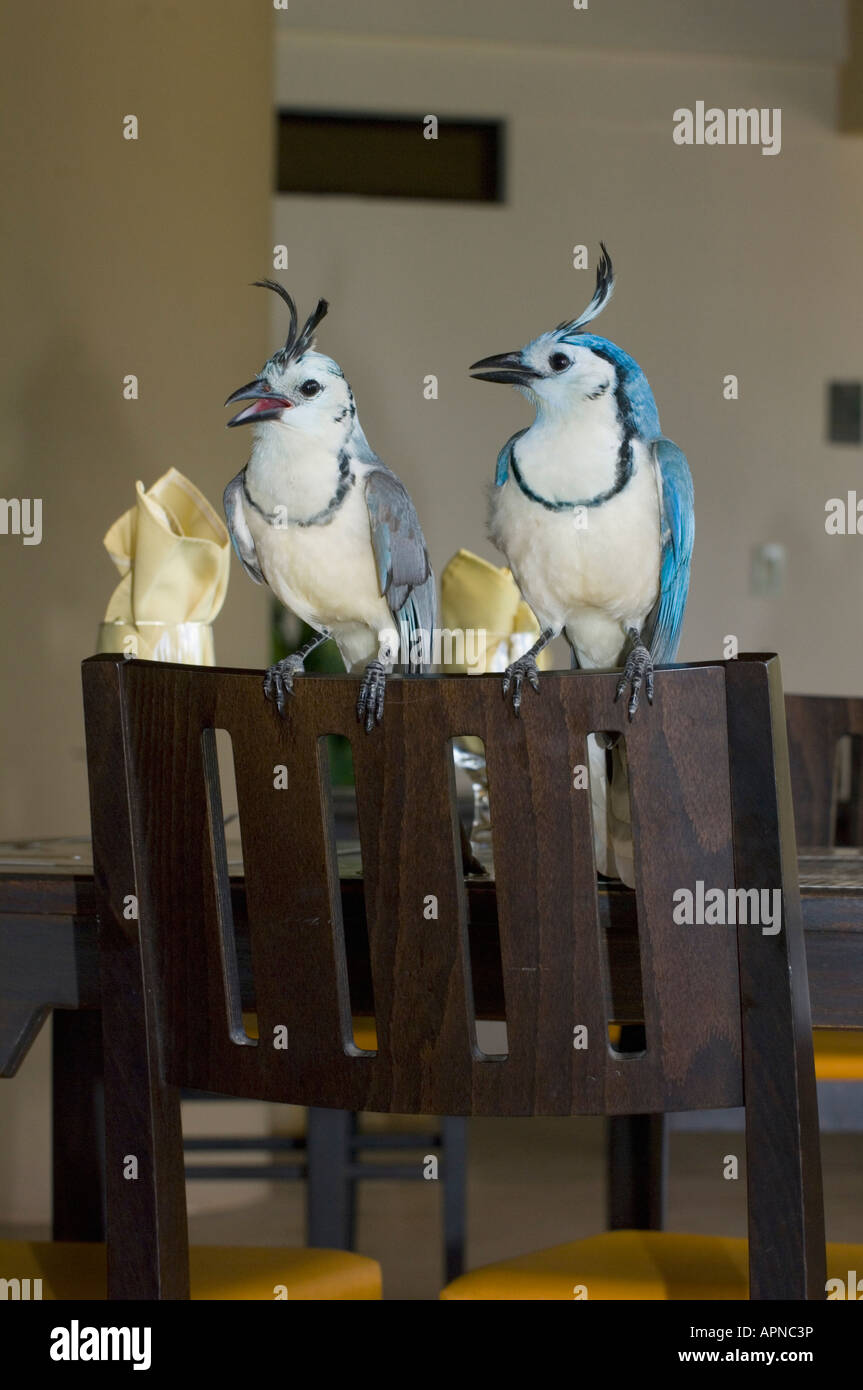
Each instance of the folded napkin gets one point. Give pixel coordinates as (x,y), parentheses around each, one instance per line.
(173,552)
(484,600)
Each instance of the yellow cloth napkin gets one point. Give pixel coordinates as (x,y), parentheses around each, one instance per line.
(484,600)
(173,552)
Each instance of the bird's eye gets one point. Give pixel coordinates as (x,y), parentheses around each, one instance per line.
(558,361)
(311,387)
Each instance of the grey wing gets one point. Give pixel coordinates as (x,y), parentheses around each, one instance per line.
(241,536)
(404,569)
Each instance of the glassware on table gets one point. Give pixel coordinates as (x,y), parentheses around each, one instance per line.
(468,754)
(189,644)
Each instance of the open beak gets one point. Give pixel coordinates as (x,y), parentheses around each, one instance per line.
(507,367)
(265,405)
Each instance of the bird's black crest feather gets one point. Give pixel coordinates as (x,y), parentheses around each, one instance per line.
(295,343)
(306,338)
(601,295)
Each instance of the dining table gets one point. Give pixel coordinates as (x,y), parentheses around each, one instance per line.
(49,962)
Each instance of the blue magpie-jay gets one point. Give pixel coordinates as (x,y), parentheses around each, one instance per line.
(593,508)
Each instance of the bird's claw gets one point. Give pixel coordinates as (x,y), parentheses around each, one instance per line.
(638,671)
(370,703)
(525,669)
(279,680)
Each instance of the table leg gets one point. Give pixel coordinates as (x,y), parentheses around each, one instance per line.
(330,1182)
(637,1163)
(78,1125)
(454,1152)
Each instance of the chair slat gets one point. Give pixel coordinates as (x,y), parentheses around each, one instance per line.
(294,906)
(181,902)
(416,906)
(547,911)
(681,811)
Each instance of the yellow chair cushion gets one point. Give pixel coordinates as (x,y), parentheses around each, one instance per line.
(365,1032)
(70,1270)
(635,1265)
(838,1054)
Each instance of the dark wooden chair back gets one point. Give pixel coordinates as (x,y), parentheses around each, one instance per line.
(816,724)
(709,804)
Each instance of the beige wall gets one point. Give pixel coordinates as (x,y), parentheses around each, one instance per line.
(729,262)
(117,257)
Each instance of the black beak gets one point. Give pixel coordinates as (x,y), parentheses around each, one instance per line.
(265,404)
(507,367)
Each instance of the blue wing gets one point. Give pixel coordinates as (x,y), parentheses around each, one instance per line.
(662,631)
(501,472)
(404,569)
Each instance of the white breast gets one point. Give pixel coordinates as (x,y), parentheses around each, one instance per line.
(564,458)
(591,573)
(326,574)
(295,472)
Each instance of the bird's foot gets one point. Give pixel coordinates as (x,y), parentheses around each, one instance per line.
(370,704)
(279,680)
(525,669)
(638,671)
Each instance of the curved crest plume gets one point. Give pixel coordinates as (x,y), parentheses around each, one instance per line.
(601,295)
(295,343)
